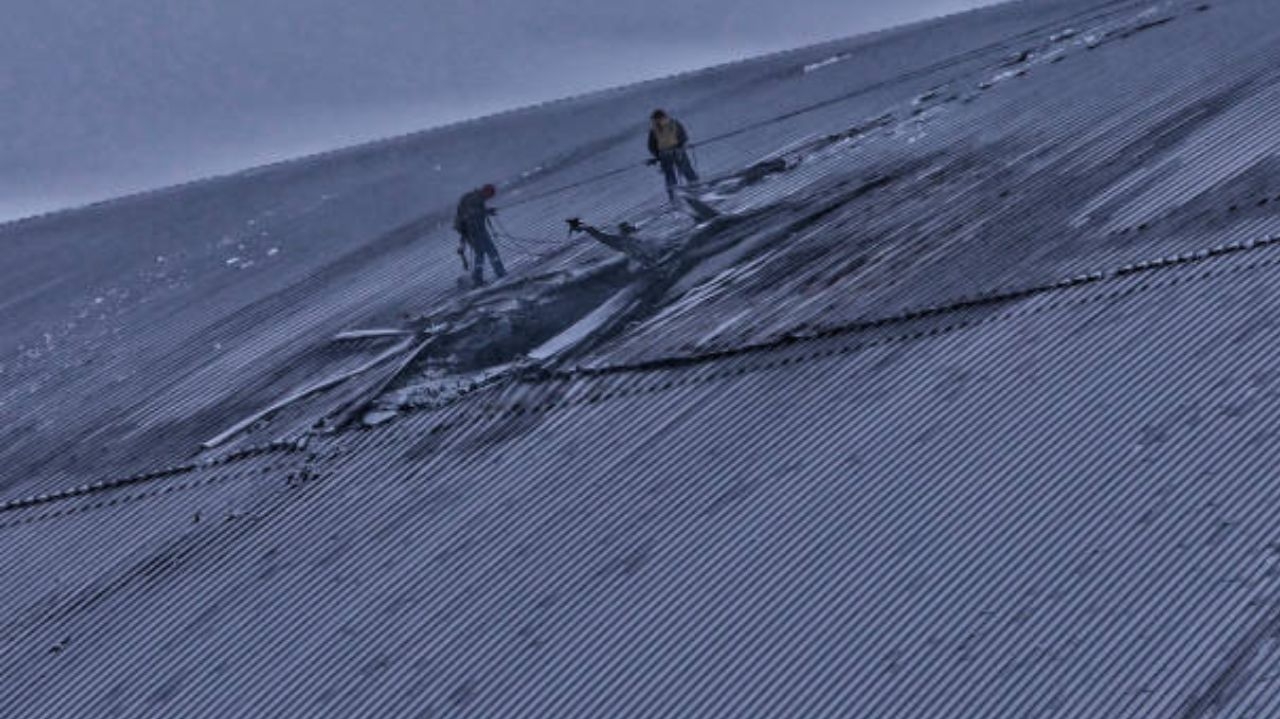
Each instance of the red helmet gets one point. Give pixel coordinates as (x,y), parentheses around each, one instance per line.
(488,190)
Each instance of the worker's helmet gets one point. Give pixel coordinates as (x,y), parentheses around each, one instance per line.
(488,191)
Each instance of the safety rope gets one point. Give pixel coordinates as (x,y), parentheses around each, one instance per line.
(531,247)
(501,230)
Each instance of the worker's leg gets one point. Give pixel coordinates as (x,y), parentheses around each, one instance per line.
(485,247)
(477,264)
(668,162)
(686,167)
(498,269)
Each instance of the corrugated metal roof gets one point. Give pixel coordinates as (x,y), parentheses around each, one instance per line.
(1024,471)
(973,521)
(132,334)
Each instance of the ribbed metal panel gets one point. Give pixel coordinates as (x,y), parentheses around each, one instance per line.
(1020,462)
(974,521)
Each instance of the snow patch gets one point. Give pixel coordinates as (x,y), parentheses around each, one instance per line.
(378,416)
(710,337)
(581,330)
(928,95)
(813,67)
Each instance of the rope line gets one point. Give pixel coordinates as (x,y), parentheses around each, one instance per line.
(532,247)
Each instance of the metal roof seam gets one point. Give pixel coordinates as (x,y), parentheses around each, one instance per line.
(132,498)
(120,484)
(48,498)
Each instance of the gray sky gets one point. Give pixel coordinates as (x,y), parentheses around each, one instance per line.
(103,98)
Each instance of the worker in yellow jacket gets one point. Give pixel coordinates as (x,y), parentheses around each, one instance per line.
(667,143)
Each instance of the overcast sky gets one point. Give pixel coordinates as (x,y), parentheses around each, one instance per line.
(105,97)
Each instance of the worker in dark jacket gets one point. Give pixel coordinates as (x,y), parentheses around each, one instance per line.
(472,224)
(667,143)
